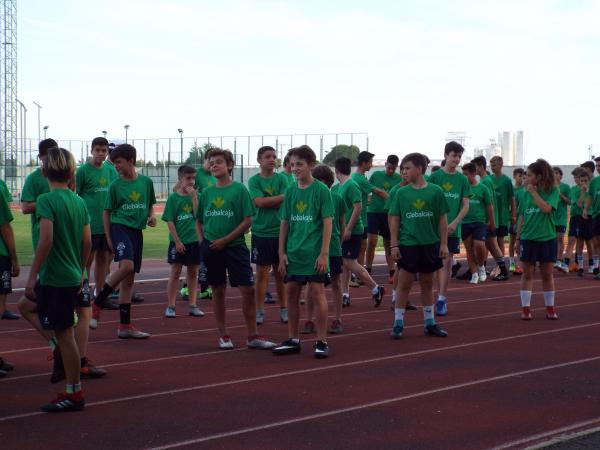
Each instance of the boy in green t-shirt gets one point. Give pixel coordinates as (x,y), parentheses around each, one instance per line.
(518,189)
(224,215)
(588,214)
(184,249)
(304,238)
(561,216)
(505,201)
(287,170)
(267,190)
(580,230)
(9,264)
(419,236)
(62,250)
(592,210)
(128,209)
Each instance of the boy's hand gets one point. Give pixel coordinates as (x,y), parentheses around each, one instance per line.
(321,263)
(179,247)
(283,262)
(347,234)
(395,253)
(444,251)
(585,214)
(15,269)
(190,191)
(451,228)
(29,292)
(218,245)
(109,245)
(152,221)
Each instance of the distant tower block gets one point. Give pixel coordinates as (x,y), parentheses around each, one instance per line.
(518,148)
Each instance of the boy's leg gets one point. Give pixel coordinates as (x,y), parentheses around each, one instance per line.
(82,330)
(260,289)
(280,287)
(371,246)
(102,262)
(336,293)
(353,266)
(492,246)
(249,309)
(317,293)
(431,328)
(219,307)
(173,283)
(192,282)
(126,329)
(70,354)
(471,257)
(403,287)
(526,288)
(293,294)
(28,310)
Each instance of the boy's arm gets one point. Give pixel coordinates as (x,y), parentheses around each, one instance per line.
(353,219)
(491,220)
(513,210)
(173,231)
(380,192)
(151,217)
(86,247)
(221,243)
(283,233)
(323,260)
(544,206)
(464,209)
(106,223)
(9,239)
(41,253)
(443,230)
(28,207)
(518,236)
(394,222)
(342,223)
(269,202)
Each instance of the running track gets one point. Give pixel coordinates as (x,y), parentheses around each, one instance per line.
(495,382)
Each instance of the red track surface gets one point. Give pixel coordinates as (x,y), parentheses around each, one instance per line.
(495,381)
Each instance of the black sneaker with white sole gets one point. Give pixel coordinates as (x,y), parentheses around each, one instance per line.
(321,349)
(435,330)
(346,300)
(287,347)
(378,297)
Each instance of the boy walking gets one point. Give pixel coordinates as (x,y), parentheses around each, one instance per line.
(505,201)
(518,189)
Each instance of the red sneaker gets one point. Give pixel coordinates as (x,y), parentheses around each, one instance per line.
(65,402)
(518,270)
(95,316)
(309,327)
(526,313)
(551,313)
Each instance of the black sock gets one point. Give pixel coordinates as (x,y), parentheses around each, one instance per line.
(203,287)
(368,269)
(125,313)
(591,262)
(567,261)
(392,272)
(103,295)
(83,361)
(501,263)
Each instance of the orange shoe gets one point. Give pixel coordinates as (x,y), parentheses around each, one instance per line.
(573,267)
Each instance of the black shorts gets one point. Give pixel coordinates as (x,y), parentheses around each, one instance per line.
(512,230)
(596,226)
(128,244)
(580,228)
(365,233)
(561,228)
(99,242)
(191,256)
(55,306)
(377,223)
(265,251)
(454,245)
(420,258)
(476,230)
(538,251)
(5,270)
(233,261)
(323,278)
(84,299)
(335,265)
(351,247)
(502,231)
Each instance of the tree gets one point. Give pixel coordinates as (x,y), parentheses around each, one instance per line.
(349,151)
(197,153)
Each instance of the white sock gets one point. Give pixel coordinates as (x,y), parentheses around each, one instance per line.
(549,298)
(453,261)
(346,294)
(441,298)
(596,261)
(375,290)
(580,261)
(525,299)
(394,296)
(399,314)
(428,315)
(511,260)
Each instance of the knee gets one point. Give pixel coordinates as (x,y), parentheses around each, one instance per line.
(24,305)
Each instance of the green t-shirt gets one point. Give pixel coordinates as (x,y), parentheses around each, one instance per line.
(204,179)
(489,183)
(129,201)
(366,188)
(5,217)
(391,196)
(265,222)
(479,199)
(289,177)
(455,187)
(35,185)
(68,214)
(113,174)
(5,192)
(92,186)
(305,209)
(382,180)
(222,209)
(538,226)
(339,209)
(419,211)
(518,192)
(180,210)
(504,194)
(594,193)
(350,193)
(576,210)
(561,213)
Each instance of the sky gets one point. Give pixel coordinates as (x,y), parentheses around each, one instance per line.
(405,72)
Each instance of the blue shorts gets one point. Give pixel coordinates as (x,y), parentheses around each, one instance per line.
(476,230)
(5,270)
(502,231)
(191,256)
(561,228)
(99,242)
(580,228)
(596,226)
(265,251)
(420,258)
(128,244)
(322,278)
(454,245)
(233,261)
(377,223)
(351,247)
(538,251)
(55,306)
(335,265)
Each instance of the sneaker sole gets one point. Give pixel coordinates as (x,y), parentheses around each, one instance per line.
(321,355)
(128,336)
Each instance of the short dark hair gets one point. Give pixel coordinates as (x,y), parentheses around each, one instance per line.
(480,161)
(125,151)
(435,168)
(597,159)
(99,141)
(343,165)
(303,152)
(557,169)
(393,160)
(185,170)
(364,157)
(453,146)
(518,171)
(443,163)
(469,167)
(324,174)
(46,144)
(589,165)
(226,154)
(286,159)
(59,165)
(418,160)
(263,150)
(579,171)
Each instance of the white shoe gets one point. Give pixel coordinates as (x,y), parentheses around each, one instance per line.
(260,343)
(557,265)
(474,279)
(225,343)
(482,274)
(591,269)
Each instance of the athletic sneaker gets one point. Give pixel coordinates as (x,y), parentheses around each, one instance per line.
(283,315)
(474,279)
(95,316)
(580,272)
(109,305)
(441,307)
(512,267)
(495,272)
(225,343)
(5,365)
(557,265)
(481,273)
(551,313)
(321,349)
(195,311)
(259,342)
(269,299)
(302,301)
(353,281)
(170,312)
(410,307)
(184,292)
(114,295)
(397,329)
(590,270)
(378,297)
(435,330)
(346,301)
(597,276)
(131,332)
(502,276)
(207,294)
(526,313)
(65,402)
(9,315)
(573,267)
(88,370)
(260,317)
(58,369)
(3,373)
(335,327)
(465,276)
(309,327)
(287,347)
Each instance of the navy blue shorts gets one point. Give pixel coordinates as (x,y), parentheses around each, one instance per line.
(420,258)
(128,244)
(454,245)
(596,226)
(99,242)
(561,228)
(191,257)
(265,251)
(512,230)
(335,265)
(5,270)
(502,231)
(538,251)
(476,230)
(55,306)
(233,261)
(304,279)
(580,228)
(365,233)
(351,247)
(377,223)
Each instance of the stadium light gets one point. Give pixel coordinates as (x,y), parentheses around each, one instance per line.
(181,142)
(45,130)
(126,128)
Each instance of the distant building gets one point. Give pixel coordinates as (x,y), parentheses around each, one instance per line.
(518,148)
